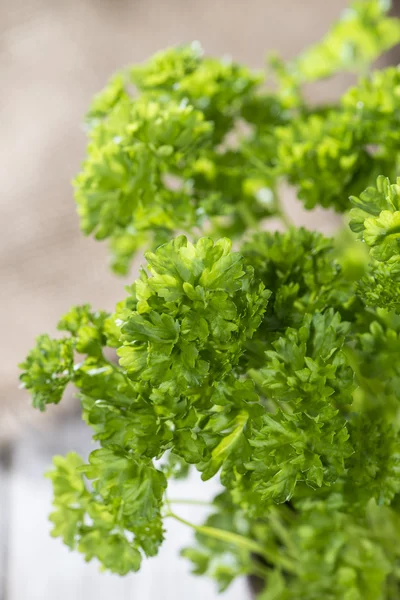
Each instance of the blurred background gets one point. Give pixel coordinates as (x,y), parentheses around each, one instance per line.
(53,57)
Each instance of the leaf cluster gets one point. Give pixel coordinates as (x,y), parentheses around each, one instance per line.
(266,359)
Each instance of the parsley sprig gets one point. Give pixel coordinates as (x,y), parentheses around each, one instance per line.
(267,359)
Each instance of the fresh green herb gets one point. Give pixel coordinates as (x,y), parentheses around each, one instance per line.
(270,361)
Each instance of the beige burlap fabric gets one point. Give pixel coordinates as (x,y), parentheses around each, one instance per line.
(53,57)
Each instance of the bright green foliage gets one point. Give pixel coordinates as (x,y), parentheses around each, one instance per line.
(192,316)
(374,468)
(374,102)
(318,549)
(132,152)
(180,335)
(360,36)
(307,376)
(47,370)
(329,155)
(154,165)
(270,361)
(353,555)
(176,156)
(125,499)
(381,285)
(215,558)
(376,351)
(302,270)
(217,88)
(362,33)
(49,367)
(376,220)
(324,156)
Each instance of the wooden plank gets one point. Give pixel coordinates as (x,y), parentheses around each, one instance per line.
(42,568)
(5,464)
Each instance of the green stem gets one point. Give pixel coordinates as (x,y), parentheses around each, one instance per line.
(282,214)
(240,541)
(284,217)
(259,571)
(184,501)
(365,384)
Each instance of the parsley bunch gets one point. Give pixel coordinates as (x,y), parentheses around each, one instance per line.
(270,360)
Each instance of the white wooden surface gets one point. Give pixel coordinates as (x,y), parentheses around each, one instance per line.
(38,567)
(4,506)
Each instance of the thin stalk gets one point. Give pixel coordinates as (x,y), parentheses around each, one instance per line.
(284,217)
(259,571)
(240,541)
(365,384)
(184,501)
(281,212)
